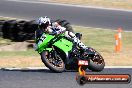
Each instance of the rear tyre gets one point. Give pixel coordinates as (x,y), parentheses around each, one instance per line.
(54,64)
(96,63)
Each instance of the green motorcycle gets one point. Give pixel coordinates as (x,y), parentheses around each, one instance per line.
(59,53)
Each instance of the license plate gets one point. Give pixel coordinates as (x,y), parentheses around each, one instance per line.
(82,62)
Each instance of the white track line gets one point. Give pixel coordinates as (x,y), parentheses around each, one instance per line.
(100,28)
(51,3)
(27,68)
(118,66)
(42,68)
(11,18)
(73,25)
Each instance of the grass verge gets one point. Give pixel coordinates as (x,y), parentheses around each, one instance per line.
(104,42)
(118,4)
(100,39)
(5,42)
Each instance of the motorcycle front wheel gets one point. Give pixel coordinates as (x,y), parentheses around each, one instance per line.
(55,64)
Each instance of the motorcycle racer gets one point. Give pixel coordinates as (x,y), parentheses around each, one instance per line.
(54,28)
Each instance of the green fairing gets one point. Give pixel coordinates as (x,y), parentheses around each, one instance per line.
(43,45)
(62,43)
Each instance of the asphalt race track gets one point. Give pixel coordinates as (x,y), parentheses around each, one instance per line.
(90,17)
(44,78)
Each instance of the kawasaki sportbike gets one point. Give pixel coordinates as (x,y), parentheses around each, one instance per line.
(59,53)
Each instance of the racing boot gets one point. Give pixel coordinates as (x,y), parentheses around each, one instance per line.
(80,44)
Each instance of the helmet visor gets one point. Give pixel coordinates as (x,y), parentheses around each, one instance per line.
(44,25)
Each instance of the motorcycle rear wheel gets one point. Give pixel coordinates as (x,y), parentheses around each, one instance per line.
(97,63)
(54,64)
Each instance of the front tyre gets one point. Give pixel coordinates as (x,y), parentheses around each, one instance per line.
(55,64)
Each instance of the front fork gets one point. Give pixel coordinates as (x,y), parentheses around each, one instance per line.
(53,53)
